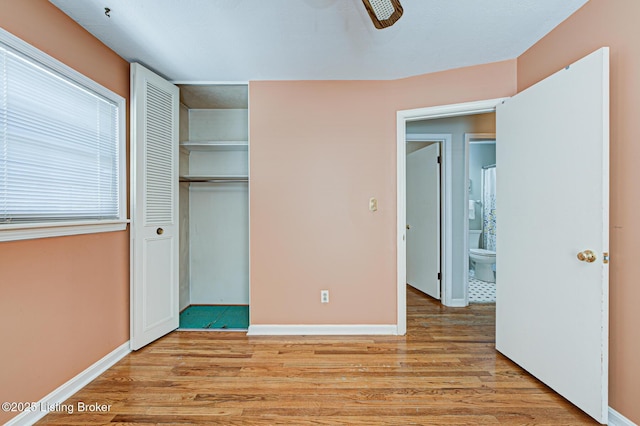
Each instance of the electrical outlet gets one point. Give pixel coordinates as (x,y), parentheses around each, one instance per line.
(324,296)
(373,204)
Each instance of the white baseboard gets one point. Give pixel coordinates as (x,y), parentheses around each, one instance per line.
(321,330)
(65,391)
(456,303)
(617,419)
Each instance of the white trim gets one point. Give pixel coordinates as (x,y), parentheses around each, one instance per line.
(30,231)
(606,209)
(401,225)
(321,330)
(457,303)
(617,419)
(453,110)
(210,83)
(69,388)
(469,138)
(467,108)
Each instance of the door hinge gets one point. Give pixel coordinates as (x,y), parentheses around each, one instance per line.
(439,159)
(605,257)
(439,276)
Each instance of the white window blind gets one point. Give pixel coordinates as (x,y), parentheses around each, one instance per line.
(59,145)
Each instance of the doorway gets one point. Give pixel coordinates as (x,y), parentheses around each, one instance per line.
(465,154)
(213,207)
(453,291)
(480,199)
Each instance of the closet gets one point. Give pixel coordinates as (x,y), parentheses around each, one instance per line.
(213,208)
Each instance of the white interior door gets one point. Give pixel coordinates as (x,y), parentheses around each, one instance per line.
(154,211)
(423,220)
(553,185)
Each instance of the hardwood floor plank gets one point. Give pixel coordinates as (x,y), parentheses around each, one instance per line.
(445,371)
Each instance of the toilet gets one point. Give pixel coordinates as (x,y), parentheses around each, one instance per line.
(483,260)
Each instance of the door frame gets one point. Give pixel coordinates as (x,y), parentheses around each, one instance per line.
(402,117)
(469,138)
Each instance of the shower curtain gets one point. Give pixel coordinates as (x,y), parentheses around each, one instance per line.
(489,208)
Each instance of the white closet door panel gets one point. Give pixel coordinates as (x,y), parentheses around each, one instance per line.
(154,212)
(159,149)
(157,308)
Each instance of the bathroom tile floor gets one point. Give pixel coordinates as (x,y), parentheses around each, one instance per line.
(481,291)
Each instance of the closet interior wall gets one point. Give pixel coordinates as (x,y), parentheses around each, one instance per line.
(214,211)
(183,214)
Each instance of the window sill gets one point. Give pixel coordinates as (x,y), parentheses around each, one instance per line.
(28,231)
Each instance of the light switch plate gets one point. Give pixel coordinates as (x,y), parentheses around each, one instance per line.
(373,204)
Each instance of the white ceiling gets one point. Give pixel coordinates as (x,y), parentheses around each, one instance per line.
(242,40)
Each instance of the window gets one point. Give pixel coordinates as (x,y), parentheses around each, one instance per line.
(62,145)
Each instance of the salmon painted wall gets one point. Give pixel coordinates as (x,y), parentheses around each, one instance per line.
(615,24)
(458,85)
(65,301)
(319,150)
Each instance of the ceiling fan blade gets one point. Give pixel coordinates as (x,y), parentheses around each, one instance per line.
(383,13)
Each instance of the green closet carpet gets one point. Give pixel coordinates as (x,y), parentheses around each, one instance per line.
(232,317)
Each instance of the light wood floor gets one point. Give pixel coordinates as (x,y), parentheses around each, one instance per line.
(444,372)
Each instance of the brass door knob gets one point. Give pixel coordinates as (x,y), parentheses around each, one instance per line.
(159,231)
(587,256)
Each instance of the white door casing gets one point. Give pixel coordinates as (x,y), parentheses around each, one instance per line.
(154,207)
(423,219)
(553,183)
(447,224)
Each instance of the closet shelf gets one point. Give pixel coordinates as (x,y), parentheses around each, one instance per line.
(215,145)
(214,178)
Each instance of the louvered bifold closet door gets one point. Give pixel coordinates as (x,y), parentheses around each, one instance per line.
(159,147)
(154,204)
